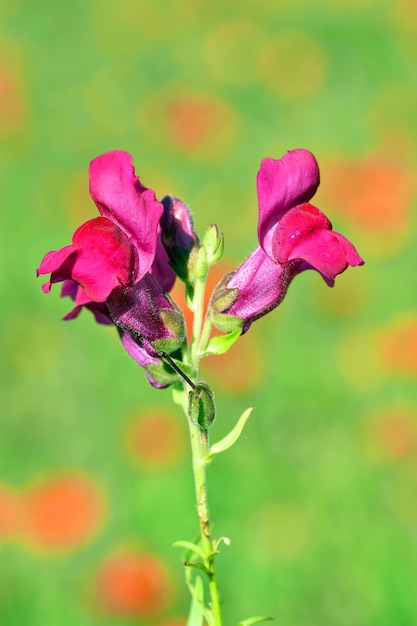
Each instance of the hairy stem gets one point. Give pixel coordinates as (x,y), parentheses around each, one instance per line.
(199,447)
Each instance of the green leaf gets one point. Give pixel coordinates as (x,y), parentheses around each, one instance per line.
(228,441)
(196,615)
(191,547)
(255,620)
(222,343)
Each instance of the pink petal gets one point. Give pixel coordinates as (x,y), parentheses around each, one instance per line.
(106,259)
(121,198)
(283,184)
(296,225)
(328,252)
(59,264)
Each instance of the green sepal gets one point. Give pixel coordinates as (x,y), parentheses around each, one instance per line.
(162,373)
(228,441)
(222,343)
(174,321)
(255,620)
(222,299)
(202,408)
(227,323)
(213,243)
(168,345)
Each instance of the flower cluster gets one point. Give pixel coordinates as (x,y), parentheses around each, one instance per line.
(122,265)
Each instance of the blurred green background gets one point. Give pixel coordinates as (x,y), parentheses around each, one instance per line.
(319,497)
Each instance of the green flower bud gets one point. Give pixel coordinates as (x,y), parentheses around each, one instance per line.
(197,265)
(201,405)
(213,243)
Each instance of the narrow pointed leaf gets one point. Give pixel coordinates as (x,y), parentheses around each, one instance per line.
(196,615)
(191,547)
(255,620)
(228,441)
(222,343)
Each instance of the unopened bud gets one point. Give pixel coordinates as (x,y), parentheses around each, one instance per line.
(201,405)
(198,265)
(178,235)
(213,243)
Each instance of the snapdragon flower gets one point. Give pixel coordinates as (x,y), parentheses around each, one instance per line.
(293,236)
(116,265)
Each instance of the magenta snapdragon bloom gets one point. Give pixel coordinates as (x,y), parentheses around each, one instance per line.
(293,236)
(116,265)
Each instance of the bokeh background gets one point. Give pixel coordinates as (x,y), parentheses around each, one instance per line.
(319,497)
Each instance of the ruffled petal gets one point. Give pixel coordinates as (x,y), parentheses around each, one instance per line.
(294,227)
(327,252)
(59,264)
(99,259)
(106,259)
(283,184)
(121,198)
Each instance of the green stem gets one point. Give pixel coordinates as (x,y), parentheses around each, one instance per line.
(199,291)
(199,446)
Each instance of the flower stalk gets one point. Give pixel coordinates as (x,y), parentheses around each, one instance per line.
(199,437)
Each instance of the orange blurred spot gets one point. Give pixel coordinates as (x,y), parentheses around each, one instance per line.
(375,193)
(217,272)
(194,119)
(10,513)
(132,584)
(398,347)
(157,438)
(240,369)
(390,434)
(63,512)
(12,103)
(398,435)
